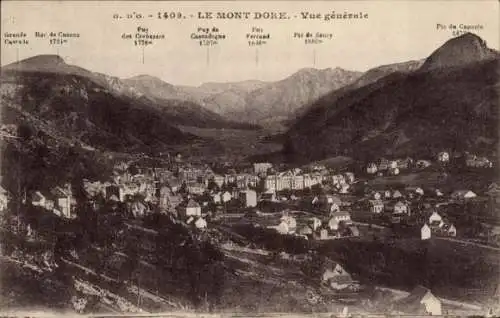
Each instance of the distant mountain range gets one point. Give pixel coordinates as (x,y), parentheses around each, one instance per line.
(448,101)
(257,102)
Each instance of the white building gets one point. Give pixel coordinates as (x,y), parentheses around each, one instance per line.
(435,218)
(420,302)
(463,194)
(341,216)
(248,198)
(371,168)
(400,207)
(226,197)
(200,223)
(217,198)
(376,206)
(425,232)
(443,157)
(192,208)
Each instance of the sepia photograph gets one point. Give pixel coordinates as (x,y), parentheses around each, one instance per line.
(250,158)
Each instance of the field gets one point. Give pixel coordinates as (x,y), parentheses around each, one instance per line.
(230,144)
(426,179)
(454,179)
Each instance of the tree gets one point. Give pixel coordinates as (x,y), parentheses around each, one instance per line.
(212,186)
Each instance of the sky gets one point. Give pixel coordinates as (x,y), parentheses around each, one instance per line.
(394,31)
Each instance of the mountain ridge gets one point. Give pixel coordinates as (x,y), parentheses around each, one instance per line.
(406,113)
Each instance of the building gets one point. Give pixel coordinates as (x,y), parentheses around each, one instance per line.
(168,201)
(218,180)
(4,198)
(383,164)
(387,194)
(192,208)
(281,228)
(452,231)
(376,206)
(344,188)
(268,196)
(333,224)
(404,163)
(115,190)
(261,167)
(419,302)
(371,168)
(305,230)
(474,161)
(393,171)
(226,197)
(341,216)
(290,221)
(195,188)
(217,198)
(397,194)
(336,277)
(63,201)
(401,208)
(443,157)
(419,191)
(315,223)
(248,198)
(353,230)
(138,209)
(422,164)
(334,207)
(425,232)
(349,177)
(174,184)
(38,199)
(435,218)
(200,223)
(463,195)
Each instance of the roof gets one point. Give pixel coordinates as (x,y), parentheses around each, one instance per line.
(376,202)
(59,192)
(460,193)
(412,303)
(354,230)
(334,198)
(305,230)
(38,195)
(341,213)
(192,204)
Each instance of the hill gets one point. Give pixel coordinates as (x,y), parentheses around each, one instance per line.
(451,104)
(72,102)
(181,106)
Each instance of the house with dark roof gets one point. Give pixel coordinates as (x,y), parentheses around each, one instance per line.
(336,276)
(191,208)
(63,201)
(419,302)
